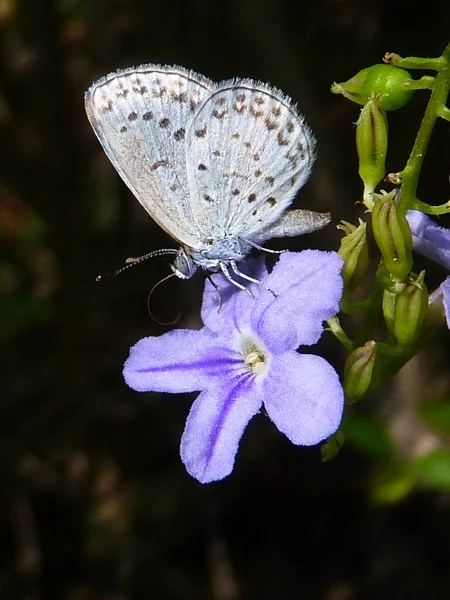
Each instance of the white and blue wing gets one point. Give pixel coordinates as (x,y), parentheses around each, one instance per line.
(249,152)
(141,117)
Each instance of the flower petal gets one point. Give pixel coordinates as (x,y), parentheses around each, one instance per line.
(217,301)
(235,303)
(182,360)
(430,239)
(277,330)
(215,426)
(445,287)
(308,287)
(303,397)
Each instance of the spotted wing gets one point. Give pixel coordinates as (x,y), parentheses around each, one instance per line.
(141,116)
(248,152)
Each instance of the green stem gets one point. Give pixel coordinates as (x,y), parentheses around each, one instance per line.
(428,209)
(366,329)
(424,83)
(438,99)
(445,113)
(335,327)
(414,62)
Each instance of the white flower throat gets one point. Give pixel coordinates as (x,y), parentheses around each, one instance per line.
(255,356)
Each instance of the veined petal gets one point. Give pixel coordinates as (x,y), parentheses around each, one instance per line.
(237,305)
(215,426)
(309,268)
(429,239)
(445,287)
(304,397)
(212,317)
(282,329)
(182,360)
(308,287)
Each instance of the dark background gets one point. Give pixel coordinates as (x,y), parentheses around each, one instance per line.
(95,503)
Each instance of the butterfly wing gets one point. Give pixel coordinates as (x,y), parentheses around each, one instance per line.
(248,152)
(141,116)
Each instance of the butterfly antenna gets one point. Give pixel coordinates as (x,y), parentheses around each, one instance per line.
(131,262)
(177,318)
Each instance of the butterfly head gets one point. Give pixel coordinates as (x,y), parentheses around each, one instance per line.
(183,266)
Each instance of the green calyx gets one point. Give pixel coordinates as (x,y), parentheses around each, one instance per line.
(371,144)
(354,250)
(405,312)
(390,84)
(393,235)
(358,371)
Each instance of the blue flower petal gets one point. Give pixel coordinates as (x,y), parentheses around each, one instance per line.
(235,303)
(303,397)
(182,360)
(430,239)
(275,327)
(308,288)
(445,287)
(215,426)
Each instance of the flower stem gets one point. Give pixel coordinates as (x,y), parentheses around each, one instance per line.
(424,83)
(444,113)
(435,109)
(335,327)
(428,209)
(415,62)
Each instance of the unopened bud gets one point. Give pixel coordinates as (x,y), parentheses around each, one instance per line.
(355,252)
(390,84)
(358,371)
(388,305)
(371,144)
(393,235)
(331,447)
(406,311)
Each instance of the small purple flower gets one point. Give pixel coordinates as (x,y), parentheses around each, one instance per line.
(432,241)
(245,357)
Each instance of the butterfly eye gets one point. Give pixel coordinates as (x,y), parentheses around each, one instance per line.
(183,266)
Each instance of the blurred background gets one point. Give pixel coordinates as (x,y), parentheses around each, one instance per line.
(95,503)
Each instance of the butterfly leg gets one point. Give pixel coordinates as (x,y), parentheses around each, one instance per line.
(216,287)
(268,250)
(225,271)
(236,271)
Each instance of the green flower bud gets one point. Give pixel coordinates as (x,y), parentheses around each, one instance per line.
(371,144)
(358,371)
(330,449)
(393,235)
(407,311)
(355,252)
(390,84)
(388,306)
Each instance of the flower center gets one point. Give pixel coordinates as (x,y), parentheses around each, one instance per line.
(255,356)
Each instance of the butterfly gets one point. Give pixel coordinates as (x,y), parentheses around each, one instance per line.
(216,165)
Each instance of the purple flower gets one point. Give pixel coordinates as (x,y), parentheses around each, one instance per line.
(432,241)
(245,357)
